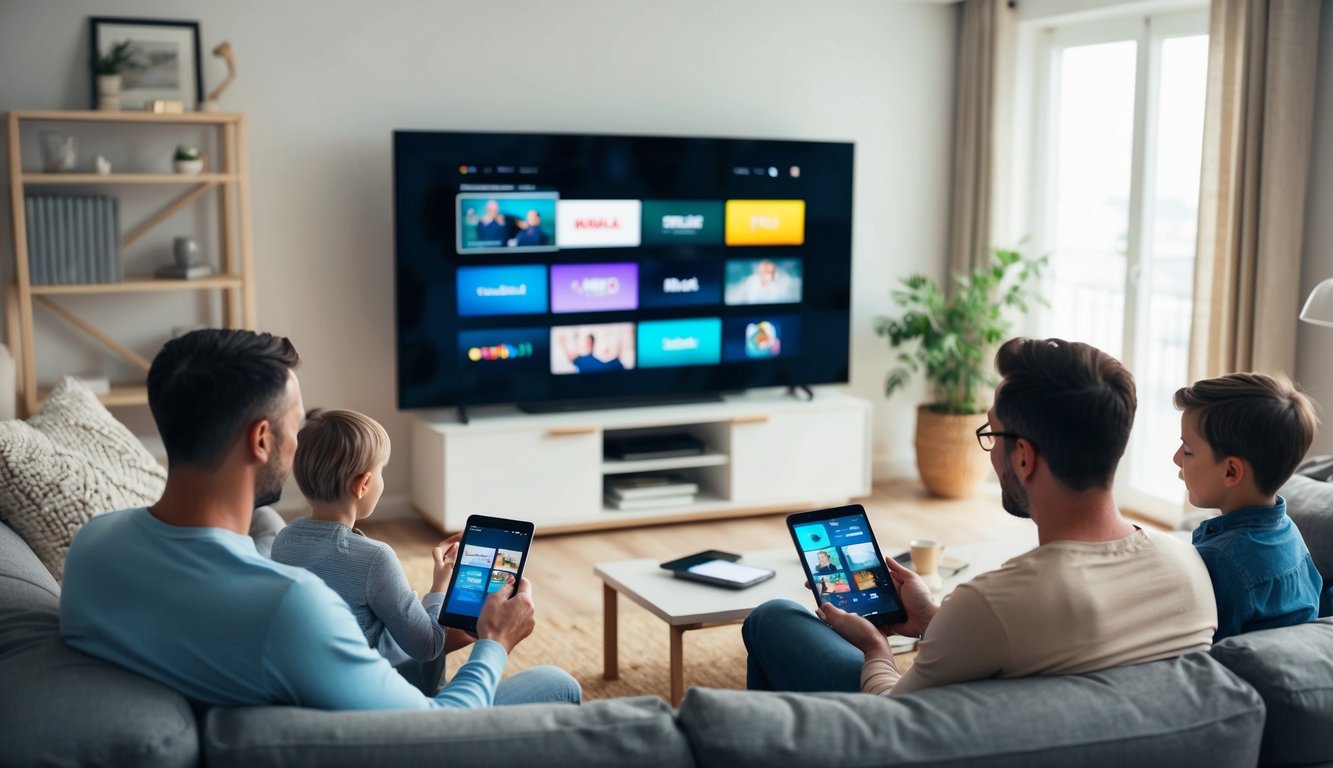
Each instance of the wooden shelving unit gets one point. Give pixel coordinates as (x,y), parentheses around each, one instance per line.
(126,178)
(236,258)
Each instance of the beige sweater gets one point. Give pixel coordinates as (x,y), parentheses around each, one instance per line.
(1064,608)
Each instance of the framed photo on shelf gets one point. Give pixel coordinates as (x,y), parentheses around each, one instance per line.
(163,62)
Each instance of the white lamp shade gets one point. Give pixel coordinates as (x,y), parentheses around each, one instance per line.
(1319,307)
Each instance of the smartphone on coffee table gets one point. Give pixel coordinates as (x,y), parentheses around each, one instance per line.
(844,564)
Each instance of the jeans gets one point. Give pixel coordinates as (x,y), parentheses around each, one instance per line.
(539,685)
(790,649)
(531,686)
(427,676)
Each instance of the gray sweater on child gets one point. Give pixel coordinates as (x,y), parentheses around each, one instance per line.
(366,573)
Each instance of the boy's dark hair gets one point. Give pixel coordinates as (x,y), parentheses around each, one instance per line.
(1262,419)
(1074,402)
(208,385)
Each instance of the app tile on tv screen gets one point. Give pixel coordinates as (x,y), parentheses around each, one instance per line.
(517,290)
(696,341)
(594,287)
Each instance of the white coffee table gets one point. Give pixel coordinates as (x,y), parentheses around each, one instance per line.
(687,605)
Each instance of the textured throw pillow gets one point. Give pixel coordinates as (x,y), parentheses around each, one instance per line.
(70,461)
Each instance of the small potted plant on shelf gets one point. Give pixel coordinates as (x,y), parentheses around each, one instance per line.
(187,160)
(108,68)
(956,338)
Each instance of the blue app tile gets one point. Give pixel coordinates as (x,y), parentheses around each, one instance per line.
(812,536)
(487,291)
(760,337)
(664,343)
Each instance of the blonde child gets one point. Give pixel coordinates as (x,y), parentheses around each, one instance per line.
(339,465)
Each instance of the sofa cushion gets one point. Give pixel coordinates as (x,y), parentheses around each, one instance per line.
(1292,668)
(70,461)
(62,707)
(1185,711)
(1310,506)
(619,732)
(25,584)
(264,526)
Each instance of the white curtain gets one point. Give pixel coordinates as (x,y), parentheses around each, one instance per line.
(982,109)
(1258,122)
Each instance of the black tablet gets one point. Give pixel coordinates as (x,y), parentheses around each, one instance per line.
(718,568)
(843,562)
(492,550)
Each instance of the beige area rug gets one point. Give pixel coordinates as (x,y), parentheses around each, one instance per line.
(714,657)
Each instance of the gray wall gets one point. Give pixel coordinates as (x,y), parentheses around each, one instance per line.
(1314,351)
(324,83)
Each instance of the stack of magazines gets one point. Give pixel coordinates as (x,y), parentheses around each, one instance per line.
(630,492)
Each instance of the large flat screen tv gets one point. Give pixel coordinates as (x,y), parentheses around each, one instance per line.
(555,269)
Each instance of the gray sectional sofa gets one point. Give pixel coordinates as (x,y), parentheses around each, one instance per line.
(1265,698)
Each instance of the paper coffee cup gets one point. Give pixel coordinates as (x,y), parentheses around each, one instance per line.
(925,556)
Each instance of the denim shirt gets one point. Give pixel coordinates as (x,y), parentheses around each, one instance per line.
(1262,572)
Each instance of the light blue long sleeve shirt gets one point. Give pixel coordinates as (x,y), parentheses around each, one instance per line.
(199,610)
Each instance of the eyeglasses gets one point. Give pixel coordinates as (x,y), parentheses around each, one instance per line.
(986,438)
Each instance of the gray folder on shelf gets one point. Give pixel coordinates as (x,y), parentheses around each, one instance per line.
(30,225)
(111,231)
(79,232)
(97,253)
(73,239)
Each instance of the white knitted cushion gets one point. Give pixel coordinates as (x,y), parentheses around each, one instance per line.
(70,461)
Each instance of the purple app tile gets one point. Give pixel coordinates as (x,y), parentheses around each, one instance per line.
(594,287)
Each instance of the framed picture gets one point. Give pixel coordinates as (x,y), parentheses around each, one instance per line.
(163,63)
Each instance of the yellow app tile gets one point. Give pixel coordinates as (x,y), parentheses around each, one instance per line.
(765,222)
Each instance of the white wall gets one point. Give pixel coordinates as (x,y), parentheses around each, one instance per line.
(1314,349)
(1067,11)
(324,83)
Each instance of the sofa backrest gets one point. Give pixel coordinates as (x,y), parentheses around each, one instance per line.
(24,581)
(1292,669)
(62,707)
(600,734)
(1310,506)
(1185,711)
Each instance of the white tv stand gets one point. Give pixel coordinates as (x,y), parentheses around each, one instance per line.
(765,453)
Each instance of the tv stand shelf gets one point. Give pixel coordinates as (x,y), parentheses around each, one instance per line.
(764,453)
(618,467)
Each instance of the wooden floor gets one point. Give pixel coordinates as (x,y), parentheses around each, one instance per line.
(560,566)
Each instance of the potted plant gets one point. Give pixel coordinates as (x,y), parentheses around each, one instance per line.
(108,68)
(955,337)
(187,159)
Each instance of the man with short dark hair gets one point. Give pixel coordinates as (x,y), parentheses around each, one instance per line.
(178,593)
(1097,592)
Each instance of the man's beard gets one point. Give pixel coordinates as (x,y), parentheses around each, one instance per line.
(1012,496)
(268,486)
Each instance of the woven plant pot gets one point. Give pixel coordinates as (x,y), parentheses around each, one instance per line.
(951,463)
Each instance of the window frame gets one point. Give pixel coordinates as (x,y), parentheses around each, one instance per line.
(1046,42)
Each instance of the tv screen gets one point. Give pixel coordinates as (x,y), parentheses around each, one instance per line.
(556,268)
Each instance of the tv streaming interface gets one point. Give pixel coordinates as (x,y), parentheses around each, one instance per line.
(484,566)
(536,268)
(844,570)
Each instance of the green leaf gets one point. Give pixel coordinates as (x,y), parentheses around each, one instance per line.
(954,336)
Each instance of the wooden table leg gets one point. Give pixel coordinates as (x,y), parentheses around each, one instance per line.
(677,665)
(610,632)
